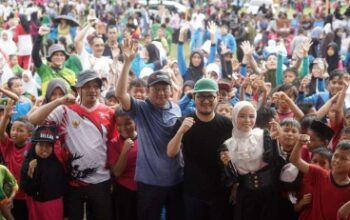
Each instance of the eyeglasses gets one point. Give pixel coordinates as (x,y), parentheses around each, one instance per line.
(202,98)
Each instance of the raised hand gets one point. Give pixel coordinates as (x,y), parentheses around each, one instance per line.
(130,48)
(8,111)
(275,129)
(43,30)
(306,46)
(247,48)
(212,27)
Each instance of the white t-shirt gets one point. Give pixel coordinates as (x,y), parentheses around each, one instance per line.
(101,64)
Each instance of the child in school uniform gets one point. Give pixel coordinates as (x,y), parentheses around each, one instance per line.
(331,189)
(122,153)
(13,148)
(43,177)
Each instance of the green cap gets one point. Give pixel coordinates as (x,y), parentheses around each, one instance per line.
(205,85)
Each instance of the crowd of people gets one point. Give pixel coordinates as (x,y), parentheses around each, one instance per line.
(114,110)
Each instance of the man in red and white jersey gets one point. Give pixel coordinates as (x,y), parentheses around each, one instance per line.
(85,127)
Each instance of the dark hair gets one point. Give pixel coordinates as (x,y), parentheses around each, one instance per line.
(28,125)
(111,26)
(10,81)
(291,70)
(24,22)
(12,56)
(343,145)
(63,41)
(306,122)
(324,152)
(137,83)
(119,112)
(305,107)
(291,122)
(335,73)
(264,116)
(288,87)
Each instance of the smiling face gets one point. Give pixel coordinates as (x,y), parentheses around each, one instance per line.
(43,149)
(90,93)
(288,137)
(97,47)
(58,58)
(341,161)
(19,133)
(196,60)
(159,94)
(246,119)
(205,102)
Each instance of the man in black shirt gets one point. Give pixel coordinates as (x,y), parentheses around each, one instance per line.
(200,134)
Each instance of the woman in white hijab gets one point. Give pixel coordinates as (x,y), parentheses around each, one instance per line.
(7,45)
(29,84)
(254,154)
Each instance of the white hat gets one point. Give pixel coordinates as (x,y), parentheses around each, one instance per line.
(213,67)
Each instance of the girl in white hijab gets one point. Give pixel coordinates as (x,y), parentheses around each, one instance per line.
(7,45)
(252,152)
(29,84)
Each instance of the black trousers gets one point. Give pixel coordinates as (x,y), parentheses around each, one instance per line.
(98,198)
(151,200)
(125,203)
(20,210)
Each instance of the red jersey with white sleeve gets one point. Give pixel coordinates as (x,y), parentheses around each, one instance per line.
(85,132)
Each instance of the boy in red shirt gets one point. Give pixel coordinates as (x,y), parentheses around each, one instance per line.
(13,149)
(331,189)
(121,158)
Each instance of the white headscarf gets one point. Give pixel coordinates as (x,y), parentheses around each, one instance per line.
(246,147)
(9,46)
(31,86)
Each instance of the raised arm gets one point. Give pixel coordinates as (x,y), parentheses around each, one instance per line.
(40,115)
(129,52)
(37,46)
(212,29)
(339,105)
(180,50)
(5,119)
(248,50)
(323,111)
(78,41)
(295,157)
(298,113)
